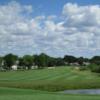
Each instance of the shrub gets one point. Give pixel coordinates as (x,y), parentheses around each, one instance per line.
(82,68)
(94,68)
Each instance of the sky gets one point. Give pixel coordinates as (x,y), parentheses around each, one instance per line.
(54,27)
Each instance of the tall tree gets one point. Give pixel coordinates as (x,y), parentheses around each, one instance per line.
(1,62)
(95,60)
(70,59)
(9,60)
(28,61)
(80,60)
(41,60)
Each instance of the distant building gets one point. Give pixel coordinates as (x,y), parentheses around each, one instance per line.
(86,63)
(51,67)
(34,67)
(14,67)
(74,64)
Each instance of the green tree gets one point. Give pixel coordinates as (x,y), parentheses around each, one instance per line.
(95,60)
(41,60)
(80,60)
(70,59)
(28,61)
(1,62)
(9,60)
(60,62)
(21,64)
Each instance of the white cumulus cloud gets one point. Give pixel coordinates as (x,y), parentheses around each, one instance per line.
(78,33)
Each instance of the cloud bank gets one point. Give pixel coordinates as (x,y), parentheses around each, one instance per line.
(76,33)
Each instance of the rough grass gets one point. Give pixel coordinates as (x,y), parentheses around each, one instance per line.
(50,79)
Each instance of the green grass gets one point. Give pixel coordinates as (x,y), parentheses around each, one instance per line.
(63,73)
(26,94)
(50,79)
(34,84)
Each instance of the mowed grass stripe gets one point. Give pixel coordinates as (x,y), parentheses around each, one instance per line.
(33,75)
(45,74)
(57,79)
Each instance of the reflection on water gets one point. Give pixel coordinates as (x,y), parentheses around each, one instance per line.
(82,91)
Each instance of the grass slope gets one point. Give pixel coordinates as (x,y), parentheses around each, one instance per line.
(63,73)
(50,79)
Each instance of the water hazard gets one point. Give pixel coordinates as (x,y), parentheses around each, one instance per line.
(82,91)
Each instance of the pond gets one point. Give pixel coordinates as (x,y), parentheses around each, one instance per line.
(82,91)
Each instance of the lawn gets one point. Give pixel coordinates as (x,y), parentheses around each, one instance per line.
(44,84)
(62,73)
(27,94)
(57,79)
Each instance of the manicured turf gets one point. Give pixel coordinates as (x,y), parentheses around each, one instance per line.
(57,79)
(22,94)
(34,84)
(63,73)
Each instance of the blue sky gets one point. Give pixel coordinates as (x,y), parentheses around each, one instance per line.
(56,27)
(50,6)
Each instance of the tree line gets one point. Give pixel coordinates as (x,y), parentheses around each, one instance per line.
(43,60)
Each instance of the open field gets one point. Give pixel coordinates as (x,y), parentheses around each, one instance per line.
(57,79)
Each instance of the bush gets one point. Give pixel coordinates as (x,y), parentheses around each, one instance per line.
(82,68)
(94,68)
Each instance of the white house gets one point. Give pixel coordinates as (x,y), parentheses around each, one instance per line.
(14,67)
(51,67)
(34,67)
(86,63)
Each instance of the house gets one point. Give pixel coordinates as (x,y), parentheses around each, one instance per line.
(51,67)
(74,64)
(34,67)
(14,67)
(86,63)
